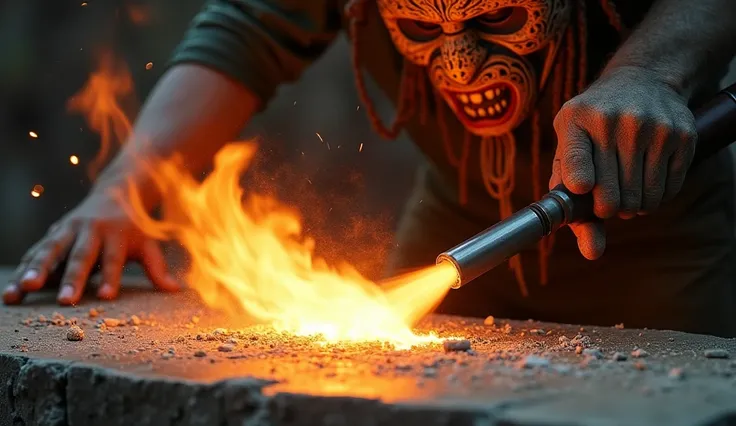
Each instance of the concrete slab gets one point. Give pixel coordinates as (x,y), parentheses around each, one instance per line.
(164,364)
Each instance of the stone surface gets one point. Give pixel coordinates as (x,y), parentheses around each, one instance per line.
(148,370)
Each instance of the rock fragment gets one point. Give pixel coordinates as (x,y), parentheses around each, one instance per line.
(716,353)
(75,334)
(533,361)
(593,353)
(640,353)
(226,347)
(619,356)
(112,322)
(489,320)
(676,374)
(456,345)
(134,320)
(200,354)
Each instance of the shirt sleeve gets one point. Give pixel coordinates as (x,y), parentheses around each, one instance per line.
(260,43)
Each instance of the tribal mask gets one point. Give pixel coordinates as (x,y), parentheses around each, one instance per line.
(488,58)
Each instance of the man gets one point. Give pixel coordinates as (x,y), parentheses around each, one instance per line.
(478,85)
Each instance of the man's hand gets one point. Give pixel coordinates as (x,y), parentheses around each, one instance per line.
(629,139)
(96,232)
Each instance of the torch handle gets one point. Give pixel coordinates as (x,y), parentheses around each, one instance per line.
(715,123)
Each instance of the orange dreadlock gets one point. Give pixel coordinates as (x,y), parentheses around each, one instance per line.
(497,154)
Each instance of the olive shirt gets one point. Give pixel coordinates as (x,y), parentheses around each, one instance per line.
(675,269)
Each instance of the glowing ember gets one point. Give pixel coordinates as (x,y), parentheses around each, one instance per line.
(37,191)
(74,159)
(149,65)
(248,255)
(98,102)
(32,134)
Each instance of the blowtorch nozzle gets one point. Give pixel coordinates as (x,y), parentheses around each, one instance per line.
(490,248)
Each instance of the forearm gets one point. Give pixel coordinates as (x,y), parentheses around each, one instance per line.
(682,41)
(193,111)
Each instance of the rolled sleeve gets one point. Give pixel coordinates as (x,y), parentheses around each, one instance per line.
(260,43)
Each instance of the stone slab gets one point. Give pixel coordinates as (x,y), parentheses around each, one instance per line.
(169,370)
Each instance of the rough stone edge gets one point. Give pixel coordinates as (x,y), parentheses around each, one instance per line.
(38,392)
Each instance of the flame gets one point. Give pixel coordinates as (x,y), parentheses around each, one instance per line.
(248,256)
(98,102)
(247,252)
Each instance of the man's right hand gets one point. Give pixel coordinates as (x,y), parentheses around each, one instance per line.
(97,232)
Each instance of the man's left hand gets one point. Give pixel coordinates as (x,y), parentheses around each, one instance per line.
(629,139)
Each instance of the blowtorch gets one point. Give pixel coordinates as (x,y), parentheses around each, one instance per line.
(715,123)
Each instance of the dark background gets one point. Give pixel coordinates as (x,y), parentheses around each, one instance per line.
(350,199)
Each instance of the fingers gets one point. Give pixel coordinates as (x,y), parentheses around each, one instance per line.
(591,238)
(606,192)
(154,265)
(82,259)
(655,176)
(114,254)
(43,258)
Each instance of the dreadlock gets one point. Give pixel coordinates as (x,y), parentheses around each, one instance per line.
(497,153)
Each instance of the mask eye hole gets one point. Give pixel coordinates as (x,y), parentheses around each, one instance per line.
(420,31)
(506,20)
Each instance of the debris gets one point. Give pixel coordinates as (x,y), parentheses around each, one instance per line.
(620,356)
(489,320)
(74,334)
(507,328)
(640,365)
(456,345)
(537,331)
(640,353)
(676,374)
(578,350)
(619,326)
(593,353)
(112,322)
(533,361)
(226,347)
(716,353)
(134,320)
(200,354)
(93,313)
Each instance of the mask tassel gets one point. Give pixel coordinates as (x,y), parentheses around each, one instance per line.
(497,163)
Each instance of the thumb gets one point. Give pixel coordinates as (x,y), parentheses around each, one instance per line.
(556,177)
(575,152)
(591,238)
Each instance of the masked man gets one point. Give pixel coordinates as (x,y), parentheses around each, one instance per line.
(498,96)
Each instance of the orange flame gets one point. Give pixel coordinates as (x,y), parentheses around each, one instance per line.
(248,255)
(98,102)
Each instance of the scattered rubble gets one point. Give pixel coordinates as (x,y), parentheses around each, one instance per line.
(456,345)
(533,361)
(75,334)
(619,356)
(593,353)
(716,353)
(639,353)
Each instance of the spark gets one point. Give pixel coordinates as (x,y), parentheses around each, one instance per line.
(84,4)
(74,159)
(149,65)
(37,191)
(360,148)
(320,137)
(33,134)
